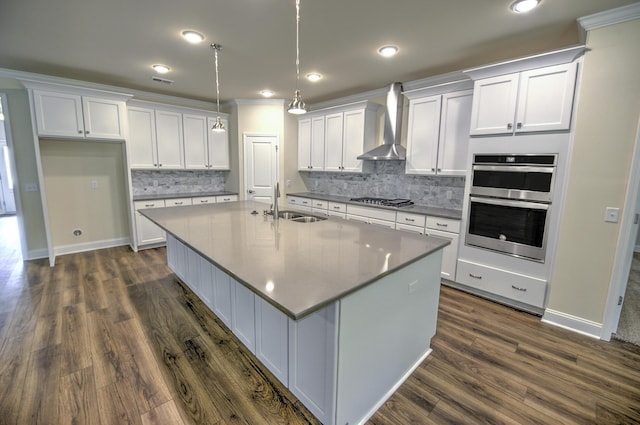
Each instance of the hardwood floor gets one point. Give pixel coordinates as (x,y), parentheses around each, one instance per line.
(110,337)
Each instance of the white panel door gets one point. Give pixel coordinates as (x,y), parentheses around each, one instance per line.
(304,144)
(142,138)
(353,140)
(195,141)
(260,166)
(317,143)
(58,114)
(218,146)
(243,323)
(103,118)
(454,133)
(207,275)
(222,294)
(546,98)
(333,142)
(494,105)
(169,139)
(272,339)
(422,136)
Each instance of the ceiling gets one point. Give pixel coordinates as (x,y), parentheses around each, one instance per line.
(115,42)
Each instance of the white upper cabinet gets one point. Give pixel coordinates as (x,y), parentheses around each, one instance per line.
(72,115)
(169,139)
(438,135)
(529,101)
(311,143)
(142,138)
(333,142)
(195,141)
(218,147)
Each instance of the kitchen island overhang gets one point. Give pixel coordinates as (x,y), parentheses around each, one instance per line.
(340,312)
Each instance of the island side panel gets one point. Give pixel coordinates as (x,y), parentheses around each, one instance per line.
(385,331)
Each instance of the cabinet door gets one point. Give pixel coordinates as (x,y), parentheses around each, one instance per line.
(422,135)
(353,140)
(218,146)
(243,323)
(333,142)
(142,138)
(454,133)
(206,274)
(272,339)
(169,139)
(304,144)
(222,293)
(317,143)
(195,141)
(147,232)
(546,98)
(449,253)
(58,114)
(494,105)
(103,118)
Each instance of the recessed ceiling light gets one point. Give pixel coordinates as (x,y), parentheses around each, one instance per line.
(193,37)
(388,51)
(314,76)
(523,6)
(266,93)
(161,69)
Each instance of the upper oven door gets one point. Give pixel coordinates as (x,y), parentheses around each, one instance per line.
(531,183)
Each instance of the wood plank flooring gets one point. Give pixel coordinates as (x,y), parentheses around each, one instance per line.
(111,337)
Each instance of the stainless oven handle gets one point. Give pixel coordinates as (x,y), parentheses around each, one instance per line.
(514,168)
(510,203)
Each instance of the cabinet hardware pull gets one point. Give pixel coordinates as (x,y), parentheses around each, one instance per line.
(519,125)
(148,205)
(335,207)
(86,132)
(439,169)
(474,276)
(79,131)
(509,126)
(410,219)
(433,169)
(159,165)
(179,203)
(519,289)
(442,225)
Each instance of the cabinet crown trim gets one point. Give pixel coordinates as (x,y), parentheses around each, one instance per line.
(366,105)
(451,87)
(556,57)
(78,91)
(174,108)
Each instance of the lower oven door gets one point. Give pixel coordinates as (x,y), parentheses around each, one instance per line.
(517,228)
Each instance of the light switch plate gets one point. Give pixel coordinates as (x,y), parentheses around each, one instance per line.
(611,215)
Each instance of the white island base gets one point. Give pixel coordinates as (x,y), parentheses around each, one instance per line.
(344,360)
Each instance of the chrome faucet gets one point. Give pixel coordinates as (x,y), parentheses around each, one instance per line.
(275,210)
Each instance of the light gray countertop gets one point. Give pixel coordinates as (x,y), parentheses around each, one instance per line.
(414,209)
(297,267)
(149,197)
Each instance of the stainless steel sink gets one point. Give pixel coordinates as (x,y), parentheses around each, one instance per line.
(300,217)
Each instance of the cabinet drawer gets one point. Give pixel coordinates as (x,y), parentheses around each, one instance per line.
(410,228)
(203,200)
(177,202)
(376,213)
(298,201)
(319,204)
(337,207)
(140,205)
(514,286)
(446,224)
(411,219)
(226,198)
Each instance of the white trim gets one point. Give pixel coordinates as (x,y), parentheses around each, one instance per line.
(610,17)
(449,87)
(395,387)
(361,97)
(437,80)
(556,57)
(36,254)
(624,248)
(90,246)
(572,323)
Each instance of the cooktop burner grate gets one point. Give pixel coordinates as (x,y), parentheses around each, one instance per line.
(384,201)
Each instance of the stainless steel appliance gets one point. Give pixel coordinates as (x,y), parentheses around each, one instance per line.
(510,202)
(384,201)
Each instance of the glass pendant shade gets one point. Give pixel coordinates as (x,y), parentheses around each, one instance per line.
(218,126)
(297,106)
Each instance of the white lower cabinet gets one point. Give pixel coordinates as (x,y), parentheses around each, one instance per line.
(207,273)
(243,322)
(272,339)
(514,286)
(379,217)
(222,296)
(147,232)
(313,361)
(449,253)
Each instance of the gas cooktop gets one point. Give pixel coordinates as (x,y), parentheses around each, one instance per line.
(384,201)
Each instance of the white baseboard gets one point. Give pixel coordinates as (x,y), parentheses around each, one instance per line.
(90,246)
(395,387)
(36,254)
(572,323)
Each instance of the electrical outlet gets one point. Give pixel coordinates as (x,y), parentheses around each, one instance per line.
(31,187)
(413,286)
(288,183)
(449,194)
(155,183)
(611,215)
(94,184)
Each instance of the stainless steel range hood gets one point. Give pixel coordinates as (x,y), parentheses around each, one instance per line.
(391,149)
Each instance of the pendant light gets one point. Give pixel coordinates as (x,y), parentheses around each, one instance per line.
(297,105)
(218,126)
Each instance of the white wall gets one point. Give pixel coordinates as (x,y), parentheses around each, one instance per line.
(606,124)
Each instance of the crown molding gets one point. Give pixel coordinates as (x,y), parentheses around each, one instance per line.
(610,17)
(261,102)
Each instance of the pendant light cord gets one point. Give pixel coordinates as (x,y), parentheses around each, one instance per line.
(297,43)
(216,47)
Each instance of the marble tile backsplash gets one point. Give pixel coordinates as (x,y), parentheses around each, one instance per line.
(387,179)
(168,182)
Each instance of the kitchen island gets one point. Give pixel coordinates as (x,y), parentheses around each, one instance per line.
(340,312)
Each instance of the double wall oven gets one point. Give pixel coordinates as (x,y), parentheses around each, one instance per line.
(510,202)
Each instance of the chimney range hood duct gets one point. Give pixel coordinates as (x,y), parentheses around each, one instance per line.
(391,149)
